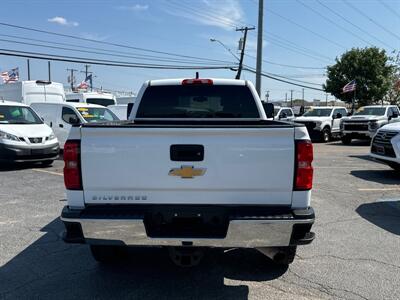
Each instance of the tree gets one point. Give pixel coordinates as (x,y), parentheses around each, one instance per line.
(393,95)
(370,68)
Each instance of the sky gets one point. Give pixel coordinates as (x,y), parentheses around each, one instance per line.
(300,38)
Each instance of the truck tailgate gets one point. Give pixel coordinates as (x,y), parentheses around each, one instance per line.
(133,165)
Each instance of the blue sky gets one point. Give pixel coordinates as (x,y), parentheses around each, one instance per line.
(298,33)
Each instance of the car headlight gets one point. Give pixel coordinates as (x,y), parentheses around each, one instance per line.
(8,136)
(373,125)
(51,137)
(318,124)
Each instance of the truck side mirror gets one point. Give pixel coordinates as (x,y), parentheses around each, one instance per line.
(339,116)
(129,109)
(395,115)
(269,110)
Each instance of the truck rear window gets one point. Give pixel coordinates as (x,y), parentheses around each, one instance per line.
(197,101)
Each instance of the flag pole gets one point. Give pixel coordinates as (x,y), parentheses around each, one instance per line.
(354,100)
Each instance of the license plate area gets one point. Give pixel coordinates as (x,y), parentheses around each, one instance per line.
(187,223)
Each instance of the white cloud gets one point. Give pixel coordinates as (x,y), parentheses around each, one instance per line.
(224,14)
(63,21)
(135,7)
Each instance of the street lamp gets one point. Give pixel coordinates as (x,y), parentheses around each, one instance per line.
(267,96)
(223,45)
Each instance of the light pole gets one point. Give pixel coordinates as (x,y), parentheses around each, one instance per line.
(267,96)
(223,45)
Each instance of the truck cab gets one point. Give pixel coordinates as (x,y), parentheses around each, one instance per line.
(323,123)
(99,98)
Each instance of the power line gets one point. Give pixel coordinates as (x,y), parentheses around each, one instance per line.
(370,19)
(285,81)
(128,54)
(287,66)
(104,53)
(333,22)
(85,60)
(389,8)
(354,25)
(100,42)
(304,28)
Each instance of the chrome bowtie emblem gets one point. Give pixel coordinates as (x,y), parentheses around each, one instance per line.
(187,172)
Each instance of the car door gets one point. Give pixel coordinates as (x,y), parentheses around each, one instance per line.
(290,115)
(336,120)
(393,115)
(64,124)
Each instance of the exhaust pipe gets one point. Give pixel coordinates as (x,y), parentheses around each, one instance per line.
(279,255)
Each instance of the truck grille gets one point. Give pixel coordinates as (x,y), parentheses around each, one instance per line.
(381,144)
(356,126)
(37,140)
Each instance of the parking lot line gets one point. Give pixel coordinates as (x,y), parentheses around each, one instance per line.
(379,189)
(49,172)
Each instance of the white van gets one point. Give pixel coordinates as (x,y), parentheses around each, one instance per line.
(31,91)
(61,116)
(100,98)
(120,110)
(24,137)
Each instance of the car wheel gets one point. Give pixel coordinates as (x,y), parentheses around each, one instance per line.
(107,254)
(47,162)
(394,166)
(346,139)
(326,135)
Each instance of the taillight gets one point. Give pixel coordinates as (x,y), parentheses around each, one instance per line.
(303,168)
(72,167)
(197,81)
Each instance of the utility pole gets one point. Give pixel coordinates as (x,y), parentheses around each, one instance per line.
(259,44)
(49,67)
(326,99)
(87,74)
(267,96)
(72,77)
(291,98)
(245,29)
(286,99)
(29,69)
(303,96)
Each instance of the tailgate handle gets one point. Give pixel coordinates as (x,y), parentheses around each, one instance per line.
(187,152)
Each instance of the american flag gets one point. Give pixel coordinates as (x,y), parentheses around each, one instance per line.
(351,86)
(83,85)
(10,76)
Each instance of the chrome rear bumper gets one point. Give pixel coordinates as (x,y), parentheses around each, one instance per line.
(250,232)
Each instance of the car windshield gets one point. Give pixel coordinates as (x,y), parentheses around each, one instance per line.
(97,114)
(100,101)
(370,111)
(18,115)
(318,112)
(197,101)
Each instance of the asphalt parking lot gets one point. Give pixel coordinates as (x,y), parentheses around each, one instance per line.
(355,255)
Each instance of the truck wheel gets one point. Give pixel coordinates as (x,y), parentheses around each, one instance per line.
(326,135)
(346,139)
(106,253)
(394,166)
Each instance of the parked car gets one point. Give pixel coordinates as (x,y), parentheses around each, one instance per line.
(323,123)
(61,116)
(31,91)
(200,166)
(385,145)
(364,123)
(120,110)
(100,98)
(282,113)
(24,137)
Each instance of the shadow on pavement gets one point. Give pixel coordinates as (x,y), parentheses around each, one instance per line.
(48,268)
(378,176)
(385,214)
(365,157)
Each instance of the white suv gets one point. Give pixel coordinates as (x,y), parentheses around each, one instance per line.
(323,122)
(385,145)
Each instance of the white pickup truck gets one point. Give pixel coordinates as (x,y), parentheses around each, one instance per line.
(197,165)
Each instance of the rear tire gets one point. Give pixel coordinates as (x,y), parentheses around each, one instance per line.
(346,140)
(394,166)
(107,254)
(326,135)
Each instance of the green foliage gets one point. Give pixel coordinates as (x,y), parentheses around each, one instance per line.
(393,95)
(370,68)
